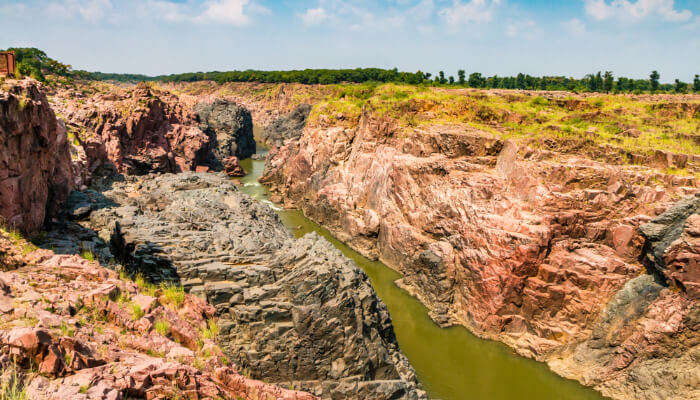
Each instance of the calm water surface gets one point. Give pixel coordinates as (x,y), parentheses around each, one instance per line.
(452,363)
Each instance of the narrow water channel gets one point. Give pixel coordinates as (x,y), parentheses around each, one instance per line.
(452,363)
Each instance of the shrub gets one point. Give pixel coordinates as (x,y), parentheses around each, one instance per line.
(13,387)
(136,312)
(162,327)
(174,295)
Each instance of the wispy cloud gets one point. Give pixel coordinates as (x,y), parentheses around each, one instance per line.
(350,15)
(88,10)
(636,10)
(224,12)
(314,16)
(574,26)
(463,13)
(522,28)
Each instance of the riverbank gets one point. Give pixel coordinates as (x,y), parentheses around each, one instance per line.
(451,363)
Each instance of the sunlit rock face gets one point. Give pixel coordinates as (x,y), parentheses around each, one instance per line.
(534,247)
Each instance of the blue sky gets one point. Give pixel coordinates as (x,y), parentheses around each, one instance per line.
(504,37)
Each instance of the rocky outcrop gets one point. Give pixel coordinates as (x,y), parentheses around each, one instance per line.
(229,126)
(672,248)
(289,126)
(35,164)
(531,247)
(138,131)
(290,311)
(71,329)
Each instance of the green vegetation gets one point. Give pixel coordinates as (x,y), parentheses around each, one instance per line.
(66,330)
(628,123)
(211,330)
(87,254)
(136,312)
(34,62)
(13,386)
(162,327)
(173,294)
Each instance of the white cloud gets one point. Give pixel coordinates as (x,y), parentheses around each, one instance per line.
(167,10)
(574,26)
(527,29)
(636,10)
(462,13)
(225,12)
(89,10)
(351,16)
(314,16)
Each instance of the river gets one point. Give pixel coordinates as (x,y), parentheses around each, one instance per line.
(451,363)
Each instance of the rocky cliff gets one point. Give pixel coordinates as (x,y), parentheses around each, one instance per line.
(35,164)
(261,305)
(290,311)
(142,129)
(520,242)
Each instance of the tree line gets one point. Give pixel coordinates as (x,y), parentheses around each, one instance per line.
(35,63)
(602,82)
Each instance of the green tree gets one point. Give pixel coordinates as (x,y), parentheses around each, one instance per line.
(608,81)
(680,87)
(442,77)
(460,76)
(452,80)
(476,80)
(696,83)
(520,81)
(654,81)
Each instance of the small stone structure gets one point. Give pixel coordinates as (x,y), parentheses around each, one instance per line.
(7,63)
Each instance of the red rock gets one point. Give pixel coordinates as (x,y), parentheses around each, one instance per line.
(232,167)
(36,175)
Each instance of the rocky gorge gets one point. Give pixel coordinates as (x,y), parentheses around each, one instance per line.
(260,304)
(558,248)
(554,252)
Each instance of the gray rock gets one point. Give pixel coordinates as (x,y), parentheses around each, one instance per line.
(289,126)
(230,126)
(664,230)
(294,311)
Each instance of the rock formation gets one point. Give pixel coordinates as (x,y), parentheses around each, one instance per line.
(290,311)
(285,127)
(535,248)
(91,335)
(229,126)
(35,163)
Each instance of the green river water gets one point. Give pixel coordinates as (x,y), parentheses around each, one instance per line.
(451,363)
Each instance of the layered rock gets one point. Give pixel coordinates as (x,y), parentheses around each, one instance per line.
(289,126)
(35,163)
(535,248)
(290,311)
(229,126)
(139,131)
(672,248)
(70,329)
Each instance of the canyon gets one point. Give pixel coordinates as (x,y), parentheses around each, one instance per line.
(580,251)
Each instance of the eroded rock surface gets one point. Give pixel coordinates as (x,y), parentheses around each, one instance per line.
(230,127)
(73,330)
(292,311)
(288,126)
(35,164)
(531,247)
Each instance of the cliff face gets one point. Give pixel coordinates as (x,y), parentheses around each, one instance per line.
(35,164)
(536,248)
